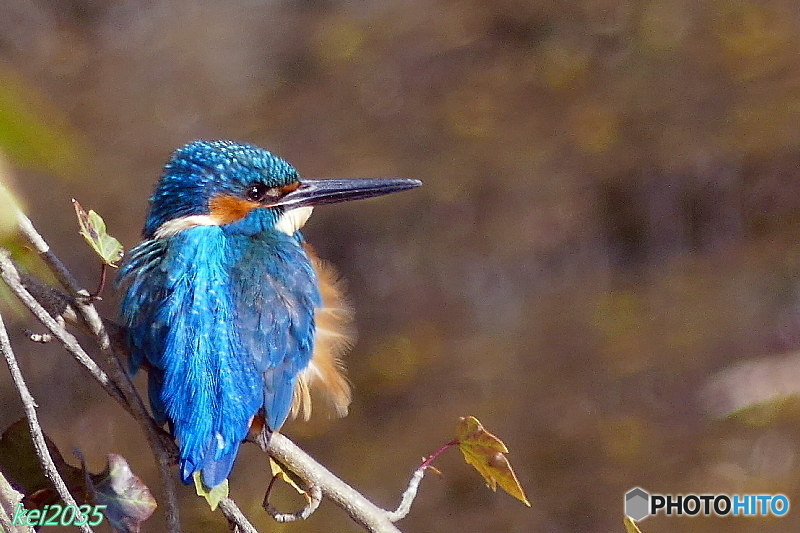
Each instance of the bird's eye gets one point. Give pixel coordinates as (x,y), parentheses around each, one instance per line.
(258,192)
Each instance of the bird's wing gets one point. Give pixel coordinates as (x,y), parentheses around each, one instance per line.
(143,279)
(334,335)
(181,316)
(275,290)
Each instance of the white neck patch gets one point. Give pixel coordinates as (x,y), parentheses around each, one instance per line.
(171,227)
(290,221)
(293,219)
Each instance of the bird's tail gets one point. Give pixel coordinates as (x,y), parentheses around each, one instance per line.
(214,469)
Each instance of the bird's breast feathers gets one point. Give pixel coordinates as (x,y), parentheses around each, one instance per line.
(267,301)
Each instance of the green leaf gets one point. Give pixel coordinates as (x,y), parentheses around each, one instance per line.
(128,501)
(212,496)
(486,453)
(93,229)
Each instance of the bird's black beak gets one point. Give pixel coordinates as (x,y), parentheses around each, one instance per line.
(320,192)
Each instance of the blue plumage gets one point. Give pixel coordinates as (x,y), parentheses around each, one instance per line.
(221,296)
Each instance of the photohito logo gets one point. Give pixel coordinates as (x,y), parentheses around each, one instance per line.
(640,504)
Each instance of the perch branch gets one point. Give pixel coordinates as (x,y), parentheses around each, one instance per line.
(235,516)
(360,509)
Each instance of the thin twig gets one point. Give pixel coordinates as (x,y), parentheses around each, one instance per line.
(313,498)
(235,516)
(360,509)
(413,485)
(63,275)
(97,294)
(10,498)
(121,389)
(11,276)
(119,386)
(408,496)
(29,405)
(165,447)
(81,297)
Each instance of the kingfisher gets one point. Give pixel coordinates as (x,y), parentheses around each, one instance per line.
(226,305)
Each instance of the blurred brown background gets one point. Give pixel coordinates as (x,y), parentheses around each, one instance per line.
(610,218)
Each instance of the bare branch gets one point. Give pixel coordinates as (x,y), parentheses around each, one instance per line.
(239,522)
(9,499)
(129,399)
(63,275)
(46,303)
(29,405)
(313,499)
(164,448)
(10,274)
(408,496)
(360,509)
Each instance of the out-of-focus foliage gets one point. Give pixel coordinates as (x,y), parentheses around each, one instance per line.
(609,221)
(7,201)
(34,132)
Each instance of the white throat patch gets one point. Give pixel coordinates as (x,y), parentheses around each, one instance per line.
(171,227)
(293,219)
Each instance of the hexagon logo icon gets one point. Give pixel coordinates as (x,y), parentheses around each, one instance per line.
(637,504)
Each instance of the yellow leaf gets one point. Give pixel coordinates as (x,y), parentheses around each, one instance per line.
(486,453)
(630,526)
(212,496)
(287,476)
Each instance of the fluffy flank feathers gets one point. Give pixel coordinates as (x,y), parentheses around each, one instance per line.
(334,336)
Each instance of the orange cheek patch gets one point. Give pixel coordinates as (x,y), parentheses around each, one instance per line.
(226,209)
